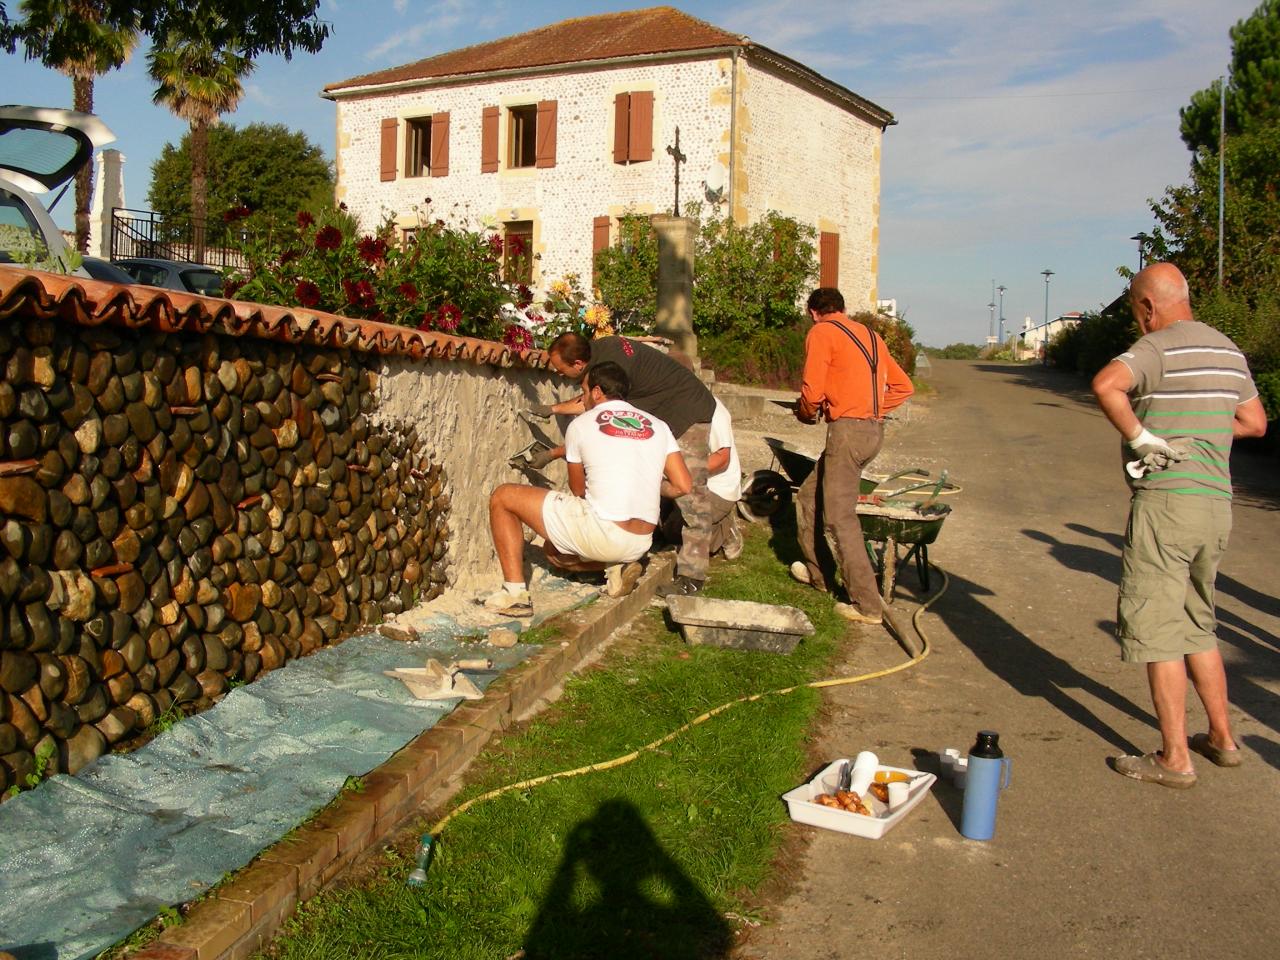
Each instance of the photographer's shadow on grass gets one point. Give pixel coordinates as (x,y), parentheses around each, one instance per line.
(618,894)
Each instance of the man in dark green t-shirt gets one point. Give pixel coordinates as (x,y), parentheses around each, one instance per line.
(665,389)
(1178,397)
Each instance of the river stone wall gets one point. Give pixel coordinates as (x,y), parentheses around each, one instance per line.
(180,511)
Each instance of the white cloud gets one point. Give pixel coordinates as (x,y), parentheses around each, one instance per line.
(429,34)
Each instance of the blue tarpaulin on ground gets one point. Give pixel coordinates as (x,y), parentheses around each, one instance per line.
(86,860)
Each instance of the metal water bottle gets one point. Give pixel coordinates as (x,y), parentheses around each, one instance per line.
(987,775)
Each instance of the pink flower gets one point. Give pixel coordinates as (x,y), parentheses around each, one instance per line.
(495,244)
(517,338)
(307,294)
(328,238)
(305,219)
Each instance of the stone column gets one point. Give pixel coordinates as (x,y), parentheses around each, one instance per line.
(108,193)
(675,282)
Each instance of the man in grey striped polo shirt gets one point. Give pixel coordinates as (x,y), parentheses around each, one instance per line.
(1178,397)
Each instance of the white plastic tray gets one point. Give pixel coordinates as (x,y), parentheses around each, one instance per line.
(802,809)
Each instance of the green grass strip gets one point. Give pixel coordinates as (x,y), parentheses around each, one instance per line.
(641,860)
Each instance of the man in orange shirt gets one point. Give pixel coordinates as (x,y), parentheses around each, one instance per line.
(851,381)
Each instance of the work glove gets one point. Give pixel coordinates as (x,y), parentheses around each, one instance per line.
(1147,442)
(1156,454)
(543,457)
(540,411)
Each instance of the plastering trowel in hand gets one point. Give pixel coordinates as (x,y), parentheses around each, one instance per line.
(523,459)
(436,681)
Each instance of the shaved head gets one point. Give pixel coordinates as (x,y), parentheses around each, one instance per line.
(1159,296)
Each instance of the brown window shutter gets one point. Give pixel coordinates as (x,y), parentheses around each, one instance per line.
(621,127)
(829,260)
(390,127)
(440,144)
(489,140)
(546,134)
(641,126)
(599,234)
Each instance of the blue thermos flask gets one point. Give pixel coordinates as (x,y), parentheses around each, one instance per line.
(986,775)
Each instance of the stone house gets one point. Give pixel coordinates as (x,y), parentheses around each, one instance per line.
(551,135)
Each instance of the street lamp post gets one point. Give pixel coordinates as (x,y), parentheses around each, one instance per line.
(1002,288)
(1142,239)
(1046,273)
(991,328)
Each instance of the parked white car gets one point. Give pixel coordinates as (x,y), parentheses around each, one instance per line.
(41,148)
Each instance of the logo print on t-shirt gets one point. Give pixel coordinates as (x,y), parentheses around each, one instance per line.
(627,424)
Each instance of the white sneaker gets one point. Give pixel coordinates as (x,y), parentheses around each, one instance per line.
(800,573)
(733,543)
(621,578)
(507,604)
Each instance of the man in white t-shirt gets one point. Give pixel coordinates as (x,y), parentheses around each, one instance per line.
(621,461)
(724,486)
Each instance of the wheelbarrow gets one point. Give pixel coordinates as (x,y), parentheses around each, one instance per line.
(894,510)
(914,526)
(768,491)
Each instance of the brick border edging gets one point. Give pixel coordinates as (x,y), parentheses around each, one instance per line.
(242,914)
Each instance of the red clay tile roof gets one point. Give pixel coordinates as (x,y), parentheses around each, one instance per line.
(92,303)
(626,34)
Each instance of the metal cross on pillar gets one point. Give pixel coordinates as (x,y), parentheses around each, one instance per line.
(679,159)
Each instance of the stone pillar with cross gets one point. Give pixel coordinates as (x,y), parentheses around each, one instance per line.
(675,270)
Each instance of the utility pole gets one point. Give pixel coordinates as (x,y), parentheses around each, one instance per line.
(1222,143)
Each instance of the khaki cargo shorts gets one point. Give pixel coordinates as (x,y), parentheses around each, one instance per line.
(1171,553)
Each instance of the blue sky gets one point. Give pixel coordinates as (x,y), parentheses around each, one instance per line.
(1030,134)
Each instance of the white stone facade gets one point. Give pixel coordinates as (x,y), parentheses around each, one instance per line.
(787,149)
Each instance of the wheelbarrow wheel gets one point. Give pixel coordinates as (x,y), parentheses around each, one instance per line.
(765,494)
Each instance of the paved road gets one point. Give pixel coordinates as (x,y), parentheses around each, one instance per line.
(1085,863)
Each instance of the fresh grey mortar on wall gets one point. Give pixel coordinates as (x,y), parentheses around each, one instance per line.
(467,418)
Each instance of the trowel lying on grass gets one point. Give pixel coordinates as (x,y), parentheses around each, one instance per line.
(436,681)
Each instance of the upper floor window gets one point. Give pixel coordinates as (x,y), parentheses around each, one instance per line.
(417,159)
(531,136)
(522,131)
(423,147)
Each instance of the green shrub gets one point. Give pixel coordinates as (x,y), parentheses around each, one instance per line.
(1094,342)
(770,358)
(954,351)
(746,279)
(440,277)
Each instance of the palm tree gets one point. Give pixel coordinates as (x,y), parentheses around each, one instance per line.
(73,37)
(199,82)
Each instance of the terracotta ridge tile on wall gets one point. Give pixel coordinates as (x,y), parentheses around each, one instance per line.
(92,303)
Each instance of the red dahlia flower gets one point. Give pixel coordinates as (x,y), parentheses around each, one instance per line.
(307,294)
(328,238)
(305,219)
(449,317)
(517,338)
(372,249)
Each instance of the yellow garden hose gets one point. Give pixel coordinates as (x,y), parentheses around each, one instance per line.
(654,745)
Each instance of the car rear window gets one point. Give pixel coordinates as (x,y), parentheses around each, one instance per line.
(38,151)
(207,283)
(20,238)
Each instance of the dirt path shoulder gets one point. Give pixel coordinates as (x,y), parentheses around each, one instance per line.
(1084,862)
